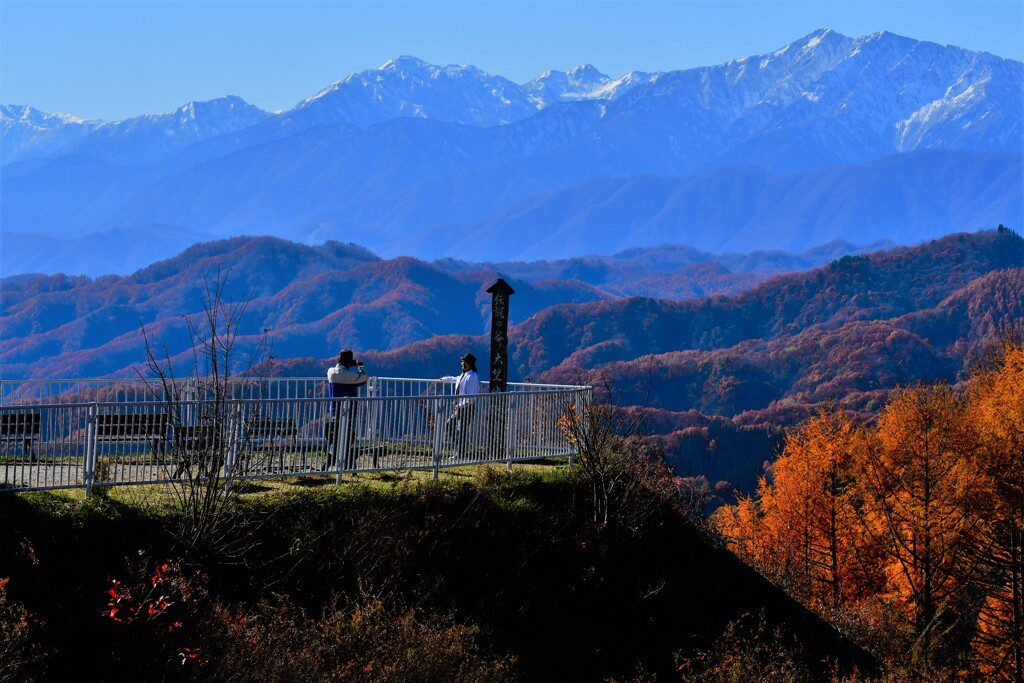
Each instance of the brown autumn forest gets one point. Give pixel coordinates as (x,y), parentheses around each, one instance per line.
(719,378)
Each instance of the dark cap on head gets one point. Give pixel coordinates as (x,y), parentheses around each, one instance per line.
(469,358)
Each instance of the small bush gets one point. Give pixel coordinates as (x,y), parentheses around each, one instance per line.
(366,642)
(20,658)
(746,652)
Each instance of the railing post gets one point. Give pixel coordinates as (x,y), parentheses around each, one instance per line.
(341,444)
(89,473)
(438,436)
(511,401)
(373,412)
(233,415)
(532,435)
(191,401)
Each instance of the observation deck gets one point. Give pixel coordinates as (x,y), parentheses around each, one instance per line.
(57,434)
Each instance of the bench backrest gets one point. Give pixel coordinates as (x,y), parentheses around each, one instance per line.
(271,426)
(132,425)
(20,424)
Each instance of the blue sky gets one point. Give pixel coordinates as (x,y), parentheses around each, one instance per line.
(114,60)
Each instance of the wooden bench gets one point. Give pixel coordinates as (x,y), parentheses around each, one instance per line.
(201,437)
(23,427)
(261,432)
(151,427)
(199,445)
(270,428)
(265,434)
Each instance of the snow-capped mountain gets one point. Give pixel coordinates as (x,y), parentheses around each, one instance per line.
(164,134)
(829,99)
(409,87)
(859,98)
(417,156)
(152,137)
(28,133)
(582,83)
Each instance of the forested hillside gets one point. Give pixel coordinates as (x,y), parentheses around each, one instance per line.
(312,300)
(905,532)
(741,366)
(711,369)
(882,286)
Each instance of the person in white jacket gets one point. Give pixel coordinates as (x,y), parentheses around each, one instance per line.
(460,422)
(344,380)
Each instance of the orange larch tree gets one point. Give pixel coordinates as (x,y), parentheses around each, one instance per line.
(997,408)
(740,525)
(810,513)
(802,529)
(921,506)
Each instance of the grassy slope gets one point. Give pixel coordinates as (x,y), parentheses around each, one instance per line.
(514,554)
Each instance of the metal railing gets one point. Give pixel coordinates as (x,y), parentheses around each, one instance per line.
(133,390)
(50,439)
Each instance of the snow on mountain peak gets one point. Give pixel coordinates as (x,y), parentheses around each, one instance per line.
(404,61)
(917,90)
(586,73)
(39,119)
(814,39)
(581,83)
(409,87)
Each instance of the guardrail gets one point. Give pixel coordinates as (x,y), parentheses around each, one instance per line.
(49,441)
(132,390)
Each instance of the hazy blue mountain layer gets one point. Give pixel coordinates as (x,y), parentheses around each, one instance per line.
(828,138)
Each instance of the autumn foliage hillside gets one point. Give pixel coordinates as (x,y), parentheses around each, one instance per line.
(881,286)
(312,300)
(722,370)
(906,533)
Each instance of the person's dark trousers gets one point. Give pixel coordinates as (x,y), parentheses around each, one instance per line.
(459,426)
(351,457)
(350,436)
(339,391)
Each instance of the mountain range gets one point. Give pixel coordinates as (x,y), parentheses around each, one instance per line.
(843,331)
(720,358)
(828,138)
(316,299)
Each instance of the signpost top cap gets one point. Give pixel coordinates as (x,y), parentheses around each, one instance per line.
(500,287)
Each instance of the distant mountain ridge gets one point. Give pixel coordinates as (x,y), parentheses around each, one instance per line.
(314,299)
(434,161)
(845,333)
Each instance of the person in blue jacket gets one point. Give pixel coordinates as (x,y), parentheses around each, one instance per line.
(344,380)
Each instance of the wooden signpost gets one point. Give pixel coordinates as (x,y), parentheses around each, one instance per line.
(500,291)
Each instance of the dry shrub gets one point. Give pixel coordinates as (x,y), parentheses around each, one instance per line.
(20,658)
(366,642)
(746,652)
